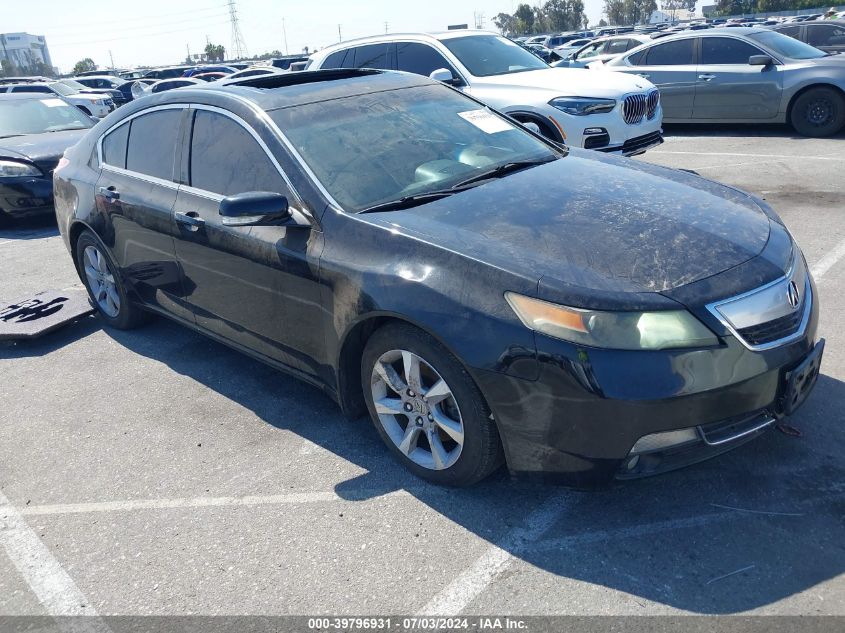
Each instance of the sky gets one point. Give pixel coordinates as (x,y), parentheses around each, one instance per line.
(159,32)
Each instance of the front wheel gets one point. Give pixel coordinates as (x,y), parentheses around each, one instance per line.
(427,408)
(105,288)
(818,112)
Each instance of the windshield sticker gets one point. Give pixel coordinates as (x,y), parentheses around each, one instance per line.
(486,121)
(53,103)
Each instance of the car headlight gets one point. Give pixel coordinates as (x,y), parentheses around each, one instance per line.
(14,169)
(667,329)
(580,106)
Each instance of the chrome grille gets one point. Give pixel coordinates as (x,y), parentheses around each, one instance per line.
(653,100)
(634,109)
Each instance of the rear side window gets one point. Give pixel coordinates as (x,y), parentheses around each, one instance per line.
(726,50)
(44,89)
(335,60)
(677,53)
(372,56)
(227,160)
(421,59)
(114,146)
(617,47)
(152,143)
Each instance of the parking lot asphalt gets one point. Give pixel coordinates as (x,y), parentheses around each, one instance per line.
(157,472)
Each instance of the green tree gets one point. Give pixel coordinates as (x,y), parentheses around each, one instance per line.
(524,15)
(621,12)
(84,66)
(215,52)
(506,23)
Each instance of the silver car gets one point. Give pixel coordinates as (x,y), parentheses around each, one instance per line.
(602,50)
(742,75)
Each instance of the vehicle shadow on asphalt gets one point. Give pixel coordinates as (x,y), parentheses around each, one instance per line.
(739,532)
(29,228)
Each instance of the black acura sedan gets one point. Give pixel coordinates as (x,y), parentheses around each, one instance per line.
(35,130)
(486,295)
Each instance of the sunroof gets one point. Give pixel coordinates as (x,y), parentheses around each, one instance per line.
(303,77)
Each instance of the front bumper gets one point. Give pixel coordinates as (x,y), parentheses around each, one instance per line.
(26,196)
(579,421)
(636,145)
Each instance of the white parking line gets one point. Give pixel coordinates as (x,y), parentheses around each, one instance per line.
(820,268)
(467,586)
(52,585)
(201,502)
(780,156)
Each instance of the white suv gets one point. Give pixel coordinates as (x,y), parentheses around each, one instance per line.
(579,107)
(96,105)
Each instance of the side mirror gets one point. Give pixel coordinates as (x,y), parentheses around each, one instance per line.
(760,60)
(254,208)
(445,75)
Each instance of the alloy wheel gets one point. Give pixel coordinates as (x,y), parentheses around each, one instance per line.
(417,409)
(820,112)
(101,281)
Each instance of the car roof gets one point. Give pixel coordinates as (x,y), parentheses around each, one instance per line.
(21,96)
(272,92)
(419,35)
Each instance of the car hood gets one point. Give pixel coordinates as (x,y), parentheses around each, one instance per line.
(44,150)
(595,227)
(575,82)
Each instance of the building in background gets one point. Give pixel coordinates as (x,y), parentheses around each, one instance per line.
(24,54)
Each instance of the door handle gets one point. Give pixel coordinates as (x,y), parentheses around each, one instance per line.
(191,219)
(706,77)
(109,193)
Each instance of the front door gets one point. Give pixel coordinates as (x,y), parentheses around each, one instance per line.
(729,88)
(254,285)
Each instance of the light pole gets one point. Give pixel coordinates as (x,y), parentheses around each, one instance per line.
(285,33)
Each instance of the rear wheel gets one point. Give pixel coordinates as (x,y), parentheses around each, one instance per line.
(105,288)
(427,409)
(818,112)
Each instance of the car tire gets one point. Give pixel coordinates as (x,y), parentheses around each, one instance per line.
(451,441)
(818,112)
(106,290)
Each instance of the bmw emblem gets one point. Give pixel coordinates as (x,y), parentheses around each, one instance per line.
(792,295)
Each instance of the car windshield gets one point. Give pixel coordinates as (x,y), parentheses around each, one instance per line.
(36,116)
(488,55)
(61,88)
(73,85)
(370,149)
(786,46)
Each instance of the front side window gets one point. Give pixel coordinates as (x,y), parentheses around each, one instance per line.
(152,143)
(593,50)
(420,59)
(825,35)
(791,31)
(227,160)
(726,50)
(371,149)
(617,47)
(677,53)
(488,55)
(371,56)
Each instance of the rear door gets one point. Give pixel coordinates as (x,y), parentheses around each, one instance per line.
(135,193)
(253,285)
(671,67)
(728,87)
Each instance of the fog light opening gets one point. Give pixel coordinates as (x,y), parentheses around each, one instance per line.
(662,441)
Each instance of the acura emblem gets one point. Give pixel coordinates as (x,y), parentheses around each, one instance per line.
(792,295)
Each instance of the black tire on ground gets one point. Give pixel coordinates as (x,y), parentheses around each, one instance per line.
(818,112)
(129,315)
(481,453)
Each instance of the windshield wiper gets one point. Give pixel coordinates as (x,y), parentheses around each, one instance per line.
(507,168)
(429,196)
(410,201)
